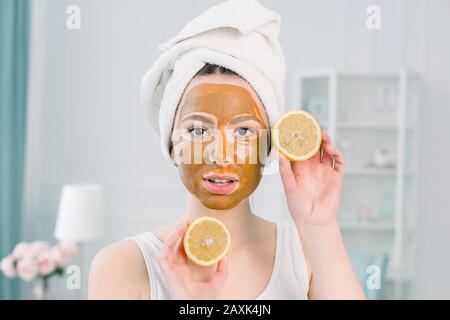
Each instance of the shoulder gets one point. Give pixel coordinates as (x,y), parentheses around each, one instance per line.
(118,271)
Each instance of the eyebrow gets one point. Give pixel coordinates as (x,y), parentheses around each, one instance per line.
(244,118)
(198,117)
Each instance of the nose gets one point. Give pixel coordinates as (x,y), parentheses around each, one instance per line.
(220,151)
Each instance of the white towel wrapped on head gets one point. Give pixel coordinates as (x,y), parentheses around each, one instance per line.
(241,35)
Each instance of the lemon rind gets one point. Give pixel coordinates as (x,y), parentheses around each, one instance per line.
(289,155)
(191,256)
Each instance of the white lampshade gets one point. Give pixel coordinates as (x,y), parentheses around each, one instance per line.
(80,214)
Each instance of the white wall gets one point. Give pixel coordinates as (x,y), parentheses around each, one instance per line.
(86,123)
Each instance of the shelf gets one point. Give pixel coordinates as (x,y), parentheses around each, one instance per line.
(374,226)
(374,171)
(327,72)
(366,126)
(346,105)
(367,226)
(375,126)
(369,75)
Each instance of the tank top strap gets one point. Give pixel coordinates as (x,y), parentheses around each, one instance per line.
(290,276)
(150,246)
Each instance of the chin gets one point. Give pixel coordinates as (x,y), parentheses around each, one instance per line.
(220,203)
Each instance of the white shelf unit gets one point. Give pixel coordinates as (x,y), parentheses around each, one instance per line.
(365,112)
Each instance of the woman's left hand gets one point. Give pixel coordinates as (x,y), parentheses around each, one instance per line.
(313,188)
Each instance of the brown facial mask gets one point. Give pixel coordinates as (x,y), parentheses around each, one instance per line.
(220,129)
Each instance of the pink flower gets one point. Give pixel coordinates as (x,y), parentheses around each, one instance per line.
(20,249)
(58,256)
(45,263)
(27,269)
(36,248)
(7,267)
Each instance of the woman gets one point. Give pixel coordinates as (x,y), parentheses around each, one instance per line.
(220,111)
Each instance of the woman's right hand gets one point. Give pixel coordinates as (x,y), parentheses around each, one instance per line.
(182,282)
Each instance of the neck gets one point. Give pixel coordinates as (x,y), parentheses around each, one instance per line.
(239,220)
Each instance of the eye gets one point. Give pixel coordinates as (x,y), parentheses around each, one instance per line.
(197,131)
(244,132)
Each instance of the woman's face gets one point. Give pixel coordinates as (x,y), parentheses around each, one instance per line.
(220,140)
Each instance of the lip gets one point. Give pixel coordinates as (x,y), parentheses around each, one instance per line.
(217,188)
(217,176)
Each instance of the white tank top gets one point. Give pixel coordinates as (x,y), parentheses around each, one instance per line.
(289,278)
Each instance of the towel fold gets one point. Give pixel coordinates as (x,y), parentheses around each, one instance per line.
(241,35)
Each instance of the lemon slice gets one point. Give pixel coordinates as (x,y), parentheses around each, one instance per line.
(206,241)
(297,135)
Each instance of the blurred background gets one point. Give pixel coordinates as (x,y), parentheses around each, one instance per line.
(70,115)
